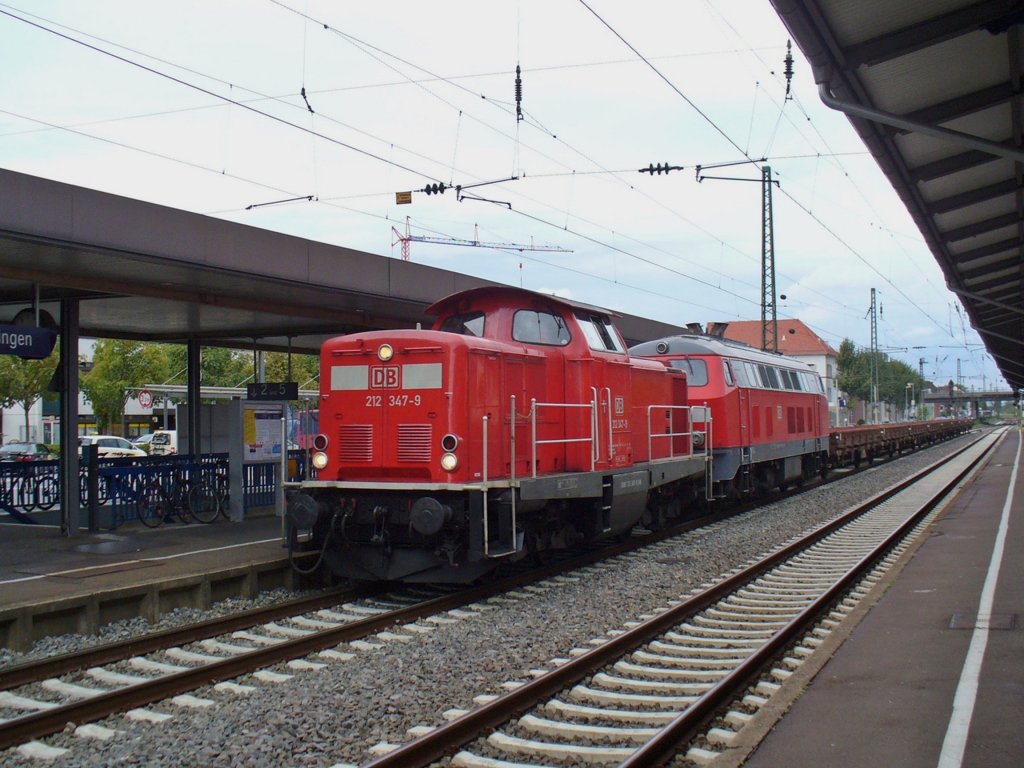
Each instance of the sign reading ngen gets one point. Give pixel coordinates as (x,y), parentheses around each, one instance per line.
(27,341)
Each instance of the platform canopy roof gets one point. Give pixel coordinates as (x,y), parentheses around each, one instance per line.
(934,89)
(148,272)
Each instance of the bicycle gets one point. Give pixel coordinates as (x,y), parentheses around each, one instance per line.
(208,497)
(155,504)
(28,488)
(103,494)
(47,490)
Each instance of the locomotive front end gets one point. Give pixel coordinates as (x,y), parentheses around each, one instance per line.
(392,459)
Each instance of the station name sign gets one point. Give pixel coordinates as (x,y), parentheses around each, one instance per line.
(27,341)
(270,390)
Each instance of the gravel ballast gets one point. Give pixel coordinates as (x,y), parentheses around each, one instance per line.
(336,714)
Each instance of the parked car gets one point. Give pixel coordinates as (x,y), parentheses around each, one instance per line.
(25,452)
(165,442)
(111,447)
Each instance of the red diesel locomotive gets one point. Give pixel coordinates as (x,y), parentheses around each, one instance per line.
(769,412)
(519,423)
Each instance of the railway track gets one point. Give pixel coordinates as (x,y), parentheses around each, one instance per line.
(686,681)
(40,698)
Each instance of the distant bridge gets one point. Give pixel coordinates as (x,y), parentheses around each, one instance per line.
(942,397)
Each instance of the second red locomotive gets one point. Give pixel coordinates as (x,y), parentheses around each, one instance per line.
(769,412)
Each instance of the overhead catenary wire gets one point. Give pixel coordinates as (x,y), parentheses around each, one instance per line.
(567,209)
(565,228)
(208,92)
(739,149)
(260,111)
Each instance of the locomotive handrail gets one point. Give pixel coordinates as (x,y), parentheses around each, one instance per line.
(651,435)
(707,432)
(484,487)
(709,459)
(534,406)
(608,405)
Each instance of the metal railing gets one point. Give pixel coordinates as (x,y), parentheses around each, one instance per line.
(31,486)
(695,414)
(534,408)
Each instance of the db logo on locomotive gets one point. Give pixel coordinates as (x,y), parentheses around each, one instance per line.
(384,377)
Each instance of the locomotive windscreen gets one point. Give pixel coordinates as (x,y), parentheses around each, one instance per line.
(696,371)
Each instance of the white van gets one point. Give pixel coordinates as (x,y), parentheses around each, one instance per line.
(164,443)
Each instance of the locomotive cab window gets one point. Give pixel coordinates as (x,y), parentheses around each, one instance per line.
(601,334)
(532,327)
(696,370)
(468,324)
(739,371)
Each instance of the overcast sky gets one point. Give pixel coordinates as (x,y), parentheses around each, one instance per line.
(199,106)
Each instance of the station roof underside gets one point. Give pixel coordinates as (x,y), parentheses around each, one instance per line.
(147,272)
(934,89)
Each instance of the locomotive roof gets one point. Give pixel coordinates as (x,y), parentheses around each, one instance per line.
(702,344)
(510,294)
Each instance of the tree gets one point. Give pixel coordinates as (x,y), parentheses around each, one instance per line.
(117,365)
(305,369)
(22,382)
(219,366)
(854,375)
(854,372)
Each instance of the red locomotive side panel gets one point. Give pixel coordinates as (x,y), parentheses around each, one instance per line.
(660,411)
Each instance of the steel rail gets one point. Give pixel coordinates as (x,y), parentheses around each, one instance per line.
(441,741)
(663,747)
(21,729)
(31,671)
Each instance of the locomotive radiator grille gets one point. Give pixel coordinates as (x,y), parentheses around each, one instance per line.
(355,442)
(414,442)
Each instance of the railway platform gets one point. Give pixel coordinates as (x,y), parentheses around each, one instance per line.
(52,584)
(931,674)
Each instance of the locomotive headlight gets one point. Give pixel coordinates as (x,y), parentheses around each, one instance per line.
(385,352)
(319,460)
(449,462)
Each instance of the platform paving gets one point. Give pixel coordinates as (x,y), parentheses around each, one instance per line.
(886,697)
(52,584)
